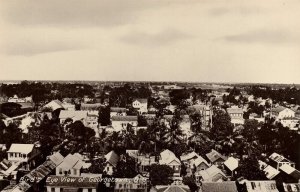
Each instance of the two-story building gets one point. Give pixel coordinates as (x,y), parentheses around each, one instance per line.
(236,115)
(24,154)
(141,105)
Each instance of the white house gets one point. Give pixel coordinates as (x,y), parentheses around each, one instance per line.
(70,166)
(236,115)
(141,105)
(120,123)
(167,157)
(281,112)
(22,153)
(74,115)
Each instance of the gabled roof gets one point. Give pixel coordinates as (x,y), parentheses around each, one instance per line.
(167,157)
(189,156)
(211,173)
(71,161)
(214,155)
(124,118)
(278,109)
(21,148)
(54,104)
(231,163)
(228,186)
(112,158)
(200,160)
(56,158)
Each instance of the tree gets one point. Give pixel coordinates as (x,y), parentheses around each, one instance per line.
(249,169)
(160,174)
(222,126)
(190,181)
(97,166)
(104,116)
(196,122)
(126,168)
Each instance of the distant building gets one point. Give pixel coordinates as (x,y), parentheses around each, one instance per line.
(205,111)
(281,112)
(141,105)
(74,115)
(16,99)
(117,111)
(236,115)
(120,123)
(90,107)
(54,105)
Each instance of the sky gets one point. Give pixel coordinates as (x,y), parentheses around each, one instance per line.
(151,40)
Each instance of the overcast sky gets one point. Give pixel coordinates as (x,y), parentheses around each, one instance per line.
(173,40)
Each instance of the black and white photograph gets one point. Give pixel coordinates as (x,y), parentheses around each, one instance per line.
(149,96)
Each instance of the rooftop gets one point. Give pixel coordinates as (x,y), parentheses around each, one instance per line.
(21,148)
(228,186)
(124,118)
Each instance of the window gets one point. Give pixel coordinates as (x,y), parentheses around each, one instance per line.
(61,189)
(52,189)
(15,154)
(75,171)
(90,190)
(60,170)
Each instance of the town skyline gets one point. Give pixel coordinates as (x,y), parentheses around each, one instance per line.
(232,41)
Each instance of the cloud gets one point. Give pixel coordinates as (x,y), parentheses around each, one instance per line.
(75,13)
(164,37)
(33,47)
(264,37)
